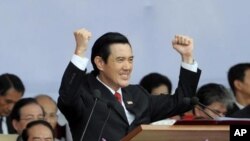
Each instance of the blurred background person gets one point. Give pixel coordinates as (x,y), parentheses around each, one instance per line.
(215,97)
(156,84)
(39,130)
(11,90)
(50,109)
(25,111)
(239,81)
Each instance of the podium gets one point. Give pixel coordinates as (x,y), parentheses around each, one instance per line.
(187,130)
(179,133)
(9,137)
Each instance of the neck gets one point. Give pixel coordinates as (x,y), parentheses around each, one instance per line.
(243,99)
(100,79)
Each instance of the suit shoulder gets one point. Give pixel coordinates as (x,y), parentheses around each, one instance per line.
(135,88)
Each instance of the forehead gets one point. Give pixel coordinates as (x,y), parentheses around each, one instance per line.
(118,49)
(218,105)
(247,73)
(31,109)
(40,131)
(46,102)
(13,94)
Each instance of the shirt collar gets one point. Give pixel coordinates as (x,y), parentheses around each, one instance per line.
(112,91)
(239,105)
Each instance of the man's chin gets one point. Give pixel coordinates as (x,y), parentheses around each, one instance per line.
(124,84)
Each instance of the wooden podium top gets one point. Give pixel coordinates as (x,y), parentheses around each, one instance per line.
(179,133)
(9,137)
(232,121)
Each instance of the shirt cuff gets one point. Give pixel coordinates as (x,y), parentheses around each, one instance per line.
(192,67)
(80,63)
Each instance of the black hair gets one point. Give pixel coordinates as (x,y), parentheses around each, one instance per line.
(237,72)
(25,135)
(153,80)
(8,81)
(15,113)
(213,92)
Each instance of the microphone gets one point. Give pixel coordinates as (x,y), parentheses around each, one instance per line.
(97,96)
(195,101)
(109,105)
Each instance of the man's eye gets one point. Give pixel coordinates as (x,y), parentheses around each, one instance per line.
(9,101)
(120,59)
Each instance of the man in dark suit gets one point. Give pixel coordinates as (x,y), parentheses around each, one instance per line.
(243,113)
(239,81)
(115,115)
(11,90)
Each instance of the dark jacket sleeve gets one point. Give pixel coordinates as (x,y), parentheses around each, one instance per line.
(68,95)
(164,106)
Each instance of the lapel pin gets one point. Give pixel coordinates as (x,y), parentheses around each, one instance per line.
(129,102)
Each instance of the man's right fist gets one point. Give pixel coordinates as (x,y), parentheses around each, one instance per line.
(82,36)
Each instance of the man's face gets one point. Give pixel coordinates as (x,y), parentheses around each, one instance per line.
(40,133)
(116,72)
(50,109)
(8,100)
(244,86)
(162,89)
(28,113)
(218,107)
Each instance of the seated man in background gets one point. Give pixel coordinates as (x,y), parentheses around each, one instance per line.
(11,90)
(50,109)
(25,111)
(38,130)
(216,100)
(156,84)
(239,81)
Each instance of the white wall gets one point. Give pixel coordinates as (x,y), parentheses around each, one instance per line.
(36,40)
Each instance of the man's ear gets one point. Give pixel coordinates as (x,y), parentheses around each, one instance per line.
(15,124)
(237,84)
(99,62)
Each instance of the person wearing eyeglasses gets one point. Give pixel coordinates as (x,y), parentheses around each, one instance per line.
(217,100)
(50,109)
(25,111)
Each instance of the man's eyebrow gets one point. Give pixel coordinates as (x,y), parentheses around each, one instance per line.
(124,57)
(9,100)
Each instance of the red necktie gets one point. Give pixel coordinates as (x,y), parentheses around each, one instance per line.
(118,97)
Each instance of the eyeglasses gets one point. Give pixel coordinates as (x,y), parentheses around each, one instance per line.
(28,119)
(51,115)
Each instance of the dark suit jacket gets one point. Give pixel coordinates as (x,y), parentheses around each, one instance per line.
(11,129)
(243,113)
(232,110)
(76,101)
